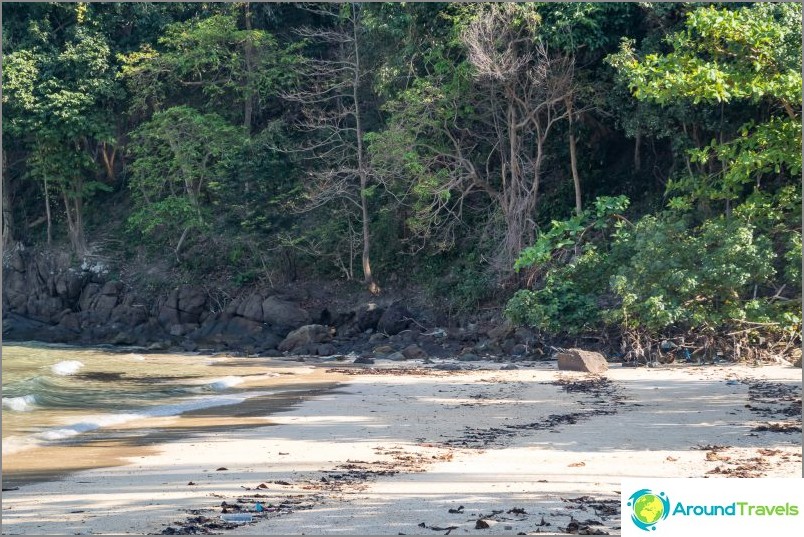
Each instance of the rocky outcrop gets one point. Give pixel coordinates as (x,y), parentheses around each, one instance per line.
(580,360)
(394,320)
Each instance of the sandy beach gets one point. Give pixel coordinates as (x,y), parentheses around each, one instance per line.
(412,449)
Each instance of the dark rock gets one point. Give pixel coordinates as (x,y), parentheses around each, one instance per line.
(367,317)
(413,352)
(469,357)
(448,367)
(130,316)
(325,349)
(191,303)
(112,288)
(364,360)
(519,350)
(394,319)
(481,525)
(251,307)
(396,357)
(70,321)
(580,360)
(19,328)
(378,337)
(87,295)
(384,349)
(283,314)
(310,334)
(501,332)
(509,367)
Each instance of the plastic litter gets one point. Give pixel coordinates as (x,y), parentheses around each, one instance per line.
(237,518)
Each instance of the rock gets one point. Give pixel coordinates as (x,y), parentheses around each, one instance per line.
(448,367)
(192,302)
(469,357)
(363,360)
(251,307)
(368,316)
(413,352)
(519,350)
(384,349)
(394,319)
(310,334)
(378,337)
(325,349)
(396,357)
(509,367)
(580,360)
(283,314)
(501,332)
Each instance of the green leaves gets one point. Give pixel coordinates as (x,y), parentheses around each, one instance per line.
(721,55)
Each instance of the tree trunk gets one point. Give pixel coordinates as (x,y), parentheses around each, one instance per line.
(637,158)
(576,180)
(368,278)
(47,212)
(75,225)
(8,217)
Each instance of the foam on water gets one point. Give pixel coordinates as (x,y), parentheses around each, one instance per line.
(67,367)
(92,423)
(23,403)
(224,383)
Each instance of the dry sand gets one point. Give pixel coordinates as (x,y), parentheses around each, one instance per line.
(529,450)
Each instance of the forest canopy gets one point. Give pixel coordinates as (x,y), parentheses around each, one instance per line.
(626,171)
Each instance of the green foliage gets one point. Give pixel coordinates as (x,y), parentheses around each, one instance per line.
(181,159)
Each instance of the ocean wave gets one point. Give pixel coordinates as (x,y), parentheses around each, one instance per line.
(224,383)
(23,403)
(92,423)
(67,367)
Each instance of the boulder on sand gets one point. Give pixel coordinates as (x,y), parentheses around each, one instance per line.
(580,360)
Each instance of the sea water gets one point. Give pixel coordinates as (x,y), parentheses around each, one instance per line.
(53,395)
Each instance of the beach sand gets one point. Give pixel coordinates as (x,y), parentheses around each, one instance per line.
(529,450)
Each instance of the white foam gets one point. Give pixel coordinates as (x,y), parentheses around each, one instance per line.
(224,383)
(67,367)
(91,423)
(20,404)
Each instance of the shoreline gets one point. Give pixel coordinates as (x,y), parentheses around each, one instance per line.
(384,453)
(117,445)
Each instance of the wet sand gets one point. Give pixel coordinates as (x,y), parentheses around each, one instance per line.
(117,446)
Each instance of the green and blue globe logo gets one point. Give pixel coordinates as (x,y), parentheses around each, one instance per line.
(648,508)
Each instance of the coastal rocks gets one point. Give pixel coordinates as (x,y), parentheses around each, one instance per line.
(413,352)
(580,360)
(184,305)
(305,340)
(367,317)
(283,314)
(394,320)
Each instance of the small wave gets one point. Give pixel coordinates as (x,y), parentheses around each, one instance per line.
(224,383)
(91,423)
(20,404)
(67,367)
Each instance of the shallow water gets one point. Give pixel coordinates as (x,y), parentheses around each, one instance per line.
(59,395)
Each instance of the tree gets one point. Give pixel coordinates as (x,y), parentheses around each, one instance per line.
(483,125)
(180,157)
(58,96)
(209,63)
(332,120)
